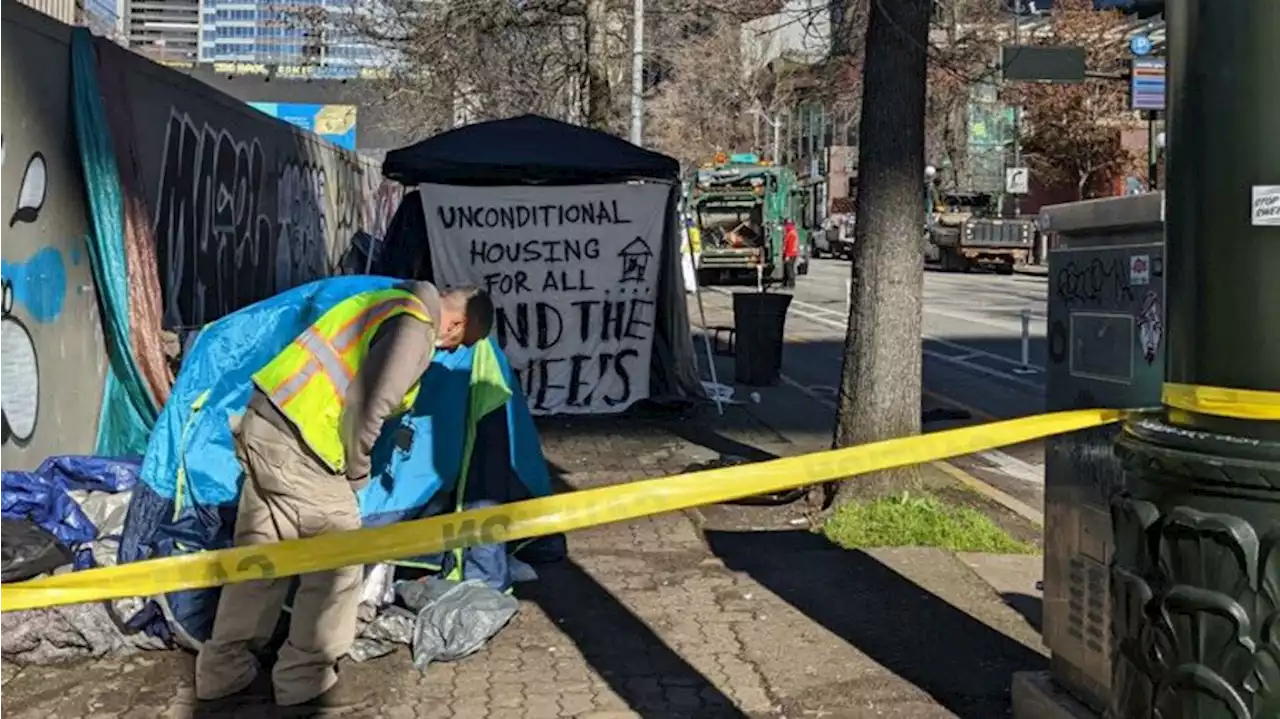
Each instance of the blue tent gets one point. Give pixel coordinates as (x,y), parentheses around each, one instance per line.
(453,448)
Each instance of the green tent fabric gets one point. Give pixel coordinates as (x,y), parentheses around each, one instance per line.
(128,410)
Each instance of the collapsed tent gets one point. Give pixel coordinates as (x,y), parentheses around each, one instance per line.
(525,161)
(67,515)
(453,448)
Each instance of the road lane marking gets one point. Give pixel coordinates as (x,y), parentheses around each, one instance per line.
(838,320)
(981,369)
(1014,324)
(1012,466)
(972,351)
(973,367)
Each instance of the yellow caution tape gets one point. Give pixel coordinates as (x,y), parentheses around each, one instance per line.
(1223,401)
(530,518)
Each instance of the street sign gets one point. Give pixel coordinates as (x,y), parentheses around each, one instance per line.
(1017,180)
(1140,45)
(1037,63)
(1146,84)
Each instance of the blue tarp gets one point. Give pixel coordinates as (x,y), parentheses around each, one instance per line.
(190,481)
(44,495)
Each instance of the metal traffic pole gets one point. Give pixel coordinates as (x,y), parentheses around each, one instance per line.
(1017,109)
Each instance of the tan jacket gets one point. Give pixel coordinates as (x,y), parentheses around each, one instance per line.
(400,354)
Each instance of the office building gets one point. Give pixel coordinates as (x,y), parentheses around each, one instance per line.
(60,10)
(167,31)
(298,38)
(102,17)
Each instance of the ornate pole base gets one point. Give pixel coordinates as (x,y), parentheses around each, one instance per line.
(1195,576)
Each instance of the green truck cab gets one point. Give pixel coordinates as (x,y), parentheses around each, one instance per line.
(739,205)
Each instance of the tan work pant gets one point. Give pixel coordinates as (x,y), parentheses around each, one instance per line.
(286,495)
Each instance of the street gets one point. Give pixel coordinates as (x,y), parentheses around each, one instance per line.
(972,355)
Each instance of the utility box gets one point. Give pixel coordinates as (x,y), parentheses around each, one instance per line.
(1105,340)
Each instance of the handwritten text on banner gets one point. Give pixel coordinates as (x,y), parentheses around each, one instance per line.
(573,272)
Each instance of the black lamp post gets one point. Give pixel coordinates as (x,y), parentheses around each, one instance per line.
(1195,576)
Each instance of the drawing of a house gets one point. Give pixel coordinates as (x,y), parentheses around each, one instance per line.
(635,260)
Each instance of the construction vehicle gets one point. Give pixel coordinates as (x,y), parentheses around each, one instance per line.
(739,205)
(962,233)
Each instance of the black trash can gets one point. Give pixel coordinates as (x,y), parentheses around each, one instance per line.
(759,319)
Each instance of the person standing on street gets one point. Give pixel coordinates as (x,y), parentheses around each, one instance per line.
(304,443)
(790,253)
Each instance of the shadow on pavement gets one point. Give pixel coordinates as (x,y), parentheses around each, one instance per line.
(639,667)
(708,438)
(1031,608)
(965,372)
(959,661)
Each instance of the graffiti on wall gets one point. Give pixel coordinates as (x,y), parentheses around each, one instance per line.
(302,224)
(230,230)
(381,200)
(38,285)
(212,233)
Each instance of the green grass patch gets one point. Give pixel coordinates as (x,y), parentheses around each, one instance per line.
(919,520)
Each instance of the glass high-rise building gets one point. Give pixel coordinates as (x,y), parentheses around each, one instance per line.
(167,31)
(298,37)
(102,17)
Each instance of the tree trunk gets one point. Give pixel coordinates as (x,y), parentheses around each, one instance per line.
(597,37)
(881,379)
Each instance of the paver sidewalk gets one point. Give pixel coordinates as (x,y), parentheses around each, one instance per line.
(672,616)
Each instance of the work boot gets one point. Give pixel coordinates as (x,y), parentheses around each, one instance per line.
(340,700)
(257,694)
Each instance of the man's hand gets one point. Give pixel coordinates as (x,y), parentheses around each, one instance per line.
(358,483)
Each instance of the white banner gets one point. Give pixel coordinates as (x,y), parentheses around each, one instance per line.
(573,272)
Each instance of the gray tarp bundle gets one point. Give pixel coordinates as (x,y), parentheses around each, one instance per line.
(444,621)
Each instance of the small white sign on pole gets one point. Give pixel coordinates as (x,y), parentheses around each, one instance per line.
(1266,206)
(1017,180)
(573,272)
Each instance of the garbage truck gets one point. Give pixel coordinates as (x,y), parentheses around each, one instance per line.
(738,206)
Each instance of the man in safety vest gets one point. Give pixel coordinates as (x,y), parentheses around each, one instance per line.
(304,442)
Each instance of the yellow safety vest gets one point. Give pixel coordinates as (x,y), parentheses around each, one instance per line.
(308,380)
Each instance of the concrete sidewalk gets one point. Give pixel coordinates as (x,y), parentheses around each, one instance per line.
(671,616)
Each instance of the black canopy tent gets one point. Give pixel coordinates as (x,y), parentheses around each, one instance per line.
(525,150)
(535,150)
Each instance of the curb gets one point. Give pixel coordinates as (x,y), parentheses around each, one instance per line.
(1009,502)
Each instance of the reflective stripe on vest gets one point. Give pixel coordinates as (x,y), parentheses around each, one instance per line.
(309,379)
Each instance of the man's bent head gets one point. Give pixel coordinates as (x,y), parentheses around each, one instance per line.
(466,317)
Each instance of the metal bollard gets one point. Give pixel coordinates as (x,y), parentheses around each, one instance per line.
(1026,367)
